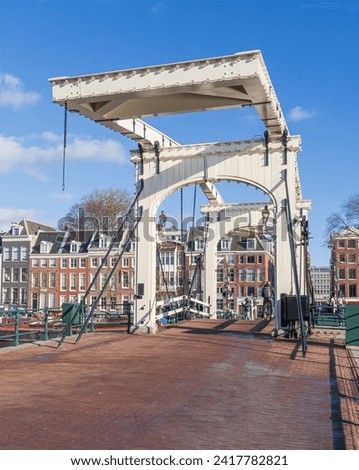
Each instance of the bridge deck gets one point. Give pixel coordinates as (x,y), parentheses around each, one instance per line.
(201,385)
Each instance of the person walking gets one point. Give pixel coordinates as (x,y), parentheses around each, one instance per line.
(247,309)
(268,295)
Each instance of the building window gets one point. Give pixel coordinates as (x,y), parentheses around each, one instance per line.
(260,275)
(225,244)
(16,253)
(16,231)
(92,277)
(251,259)
(94,262)
(6,296)
(341,258)
(242,275)
(82,262)
(73,263)
(7,253)
(199,244)
(82,285)
(230,259)
(74,247)
(260,259)
(251,291)
(63,281)
(352,273)
(341,289)
(341,243)
(7,274)
(73,281)
(103,280)
(15,274)
(351,243)
(43,280)
(167,258)
(341,274)
(35,263)
(51,300)
(15,295)
(125,280)
(230,273)
(352,290)
(23,275)
(52,263)
(52,280)
(251,275)
(351,258)
(43,262)
(44,247)
(64,262)
(24,253)
(35,280)
(103,242)
(219,275)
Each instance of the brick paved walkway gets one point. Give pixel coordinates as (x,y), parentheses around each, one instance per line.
(202,385)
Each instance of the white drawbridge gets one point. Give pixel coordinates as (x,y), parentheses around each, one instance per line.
(121,100)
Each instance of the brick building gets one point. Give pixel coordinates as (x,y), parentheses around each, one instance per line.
(344,265)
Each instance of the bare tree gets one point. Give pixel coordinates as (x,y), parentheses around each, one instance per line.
(348,217)
(102,207)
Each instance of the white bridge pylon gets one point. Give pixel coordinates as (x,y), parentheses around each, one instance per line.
(119,99)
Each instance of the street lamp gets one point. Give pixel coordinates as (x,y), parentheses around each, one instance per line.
(265,215)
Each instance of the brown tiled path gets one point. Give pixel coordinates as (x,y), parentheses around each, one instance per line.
(201,385)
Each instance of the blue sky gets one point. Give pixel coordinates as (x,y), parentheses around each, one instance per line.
(310,49)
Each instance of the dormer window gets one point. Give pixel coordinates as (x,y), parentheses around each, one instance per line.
(199,244)
(103,242)
(15,230)
(225,244)
(74,247)
(45,247)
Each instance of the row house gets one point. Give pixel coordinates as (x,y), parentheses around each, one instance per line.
(64,267)
(17,244)
(245,260)
(345,265)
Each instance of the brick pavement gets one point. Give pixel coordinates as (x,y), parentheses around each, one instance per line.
(201,385)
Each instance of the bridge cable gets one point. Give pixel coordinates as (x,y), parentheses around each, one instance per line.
(119,233)
(64,148)
(294,266)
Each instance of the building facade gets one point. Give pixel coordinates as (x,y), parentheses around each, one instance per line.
(17,244)
(344,265)
(321,281)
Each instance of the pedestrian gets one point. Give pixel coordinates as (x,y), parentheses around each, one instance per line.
(268,295)
(247,309)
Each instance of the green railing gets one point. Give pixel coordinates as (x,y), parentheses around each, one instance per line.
(24,324)
(330,319)
(31,325)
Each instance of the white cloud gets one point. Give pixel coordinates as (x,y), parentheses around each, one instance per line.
(8,215)
(48,149)
(300,114)
(12,93)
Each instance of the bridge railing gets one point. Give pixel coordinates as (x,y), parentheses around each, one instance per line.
(181,308)
(30,325)
(330,317)
(25,325)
